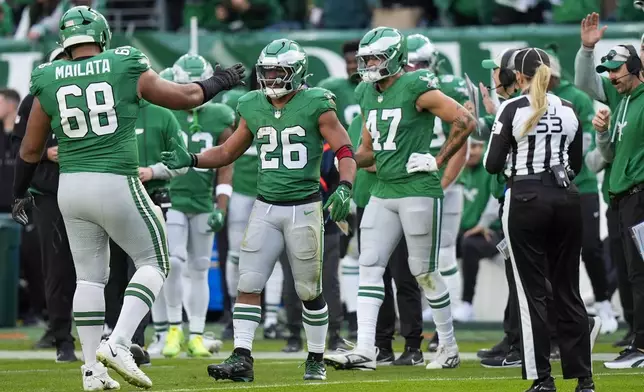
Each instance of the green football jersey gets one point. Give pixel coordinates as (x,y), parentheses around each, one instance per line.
(155,128)
(191,193)
(289,143)
(93,105)
(455,88)
(245,169)
(398,129)
(344,91)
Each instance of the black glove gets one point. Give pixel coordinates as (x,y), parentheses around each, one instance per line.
(222,80)
(20,207)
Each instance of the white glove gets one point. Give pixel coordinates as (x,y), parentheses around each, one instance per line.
(421,163)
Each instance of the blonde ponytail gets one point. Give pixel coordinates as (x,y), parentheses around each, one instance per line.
(539,102)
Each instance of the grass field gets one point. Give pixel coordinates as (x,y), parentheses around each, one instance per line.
(275,373)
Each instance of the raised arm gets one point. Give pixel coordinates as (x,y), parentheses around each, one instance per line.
(229,151)
(334,133)
(176,96)
(586,78)
(450,111)
(31,148)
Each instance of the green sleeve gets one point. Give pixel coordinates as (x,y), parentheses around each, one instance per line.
(322,100)
(133,61)
(245,104)
(38,79)
(612,96)
(421,82)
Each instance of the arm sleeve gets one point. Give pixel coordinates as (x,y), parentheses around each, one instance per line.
(595,161)
(500,140)
(575,149)
(586,78)
(605,146)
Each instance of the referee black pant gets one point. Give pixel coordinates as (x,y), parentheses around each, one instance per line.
(630,209)
(408,295)
(616,248)
(591,248)
(543,226)
(57,266)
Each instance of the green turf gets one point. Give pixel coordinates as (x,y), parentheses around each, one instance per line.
(184,375)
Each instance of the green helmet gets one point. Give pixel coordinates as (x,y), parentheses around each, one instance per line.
(167,74)
(281,68)
(191,68)
(422,50)
(385,44)
(81,25)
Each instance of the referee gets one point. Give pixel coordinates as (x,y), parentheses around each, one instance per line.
(542,220)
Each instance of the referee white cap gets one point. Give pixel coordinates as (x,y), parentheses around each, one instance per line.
(528,60)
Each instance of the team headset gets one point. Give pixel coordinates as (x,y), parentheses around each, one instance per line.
(633,63)
(507,76)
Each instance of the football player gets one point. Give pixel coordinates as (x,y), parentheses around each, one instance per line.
(92,103)
(192,219)
(289,124)
(399,110)
(241,204)
(423,55)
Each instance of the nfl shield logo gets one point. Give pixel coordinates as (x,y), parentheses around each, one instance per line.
(278,114)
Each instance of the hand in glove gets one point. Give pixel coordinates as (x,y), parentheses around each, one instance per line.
(421,163)
(20,207)
(222,80)
(216,220)
(339,203)
(179,157)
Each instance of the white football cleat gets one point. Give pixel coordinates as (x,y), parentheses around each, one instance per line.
(446,358)
(95,378)
(118,357)
(213,345)
(157,344)
(354,359)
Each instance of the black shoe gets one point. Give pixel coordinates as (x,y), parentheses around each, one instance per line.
(273,332)
(585,385)
(315,370)
(511,360)
(236,367)
(555,353)
(46,341)
(228,332)
(432,346)
(336,342)
(293,345)
(626,341)
(629,358)
(140,355)
(499,350)
(410,357)
(385,357)
(65,353)
(547,385)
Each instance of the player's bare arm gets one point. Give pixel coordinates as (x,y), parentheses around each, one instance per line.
(448,110)
(365,157)
(338,138)
(224,175)
(176,96)
(227,153)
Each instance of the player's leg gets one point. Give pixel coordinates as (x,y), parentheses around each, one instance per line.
(380,232)
(177,223)
(450,225)
(421,222)
(272,300)
(137,226)
(262,244)
(199,250)
(304,238)
(239,210)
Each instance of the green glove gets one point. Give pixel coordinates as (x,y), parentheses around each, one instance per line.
(216,220)
(339,203)
(179,157)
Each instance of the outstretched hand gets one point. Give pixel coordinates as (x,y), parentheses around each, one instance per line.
(177,158)
(230,77)
(590,31)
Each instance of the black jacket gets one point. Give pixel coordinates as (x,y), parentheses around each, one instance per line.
(46,176)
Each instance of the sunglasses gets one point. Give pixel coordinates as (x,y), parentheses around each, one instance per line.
(610,56)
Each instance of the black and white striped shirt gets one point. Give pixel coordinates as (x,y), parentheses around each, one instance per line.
(556,140)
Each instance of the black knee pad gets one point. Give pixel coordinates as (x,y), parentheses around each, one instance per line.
(315,304)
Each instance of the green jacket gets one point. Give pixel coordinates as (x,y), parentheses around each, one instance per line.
(478,185)
(586,180)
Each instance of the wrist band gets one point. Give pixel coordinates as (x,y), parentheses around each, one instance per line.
(224,189)
(346,183)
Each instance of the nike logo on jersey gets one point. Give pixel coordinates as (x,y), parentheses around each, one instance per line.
(309,212)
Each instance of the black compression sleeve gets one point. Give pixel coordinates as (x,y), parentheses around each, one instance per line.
(24,172)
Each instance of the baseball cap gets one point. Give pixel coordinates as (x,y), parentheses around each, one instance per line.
(528,60)
(617,56)
(502,60)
